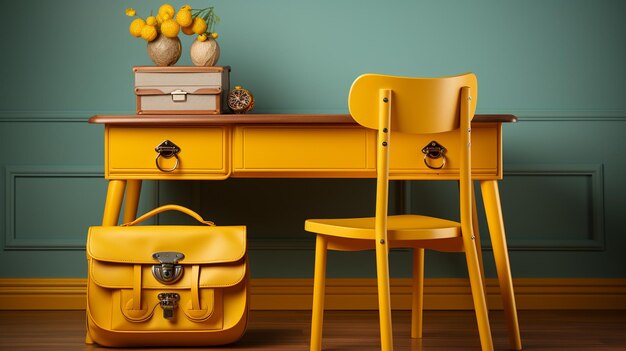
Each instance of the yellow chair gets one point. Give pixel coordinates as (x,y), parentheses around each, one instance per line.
(413,106)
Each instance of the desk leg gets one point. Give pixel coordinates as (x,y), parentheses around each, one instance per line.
(133,190)
(113,205)
(493,210)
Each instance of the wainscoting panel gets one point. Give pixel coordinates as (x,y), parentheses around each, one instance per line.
(48,208)
(553,207)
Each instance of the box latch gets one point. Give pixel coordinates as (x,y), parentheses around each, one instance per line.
(179,95)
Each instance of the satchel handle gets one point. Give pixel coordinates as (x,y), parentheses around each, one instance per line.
(164,208)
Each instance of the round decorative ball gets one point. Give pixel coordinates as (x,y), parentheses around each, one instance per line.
(164,51)
(240,100)
(205,53)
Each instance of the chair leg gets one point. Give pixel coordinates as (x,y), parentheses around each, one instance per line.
(319,285)
(478,293)
(417,303)
(384,297)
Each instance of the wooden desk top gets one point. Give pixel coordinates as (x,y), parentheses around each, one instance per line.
(255,119)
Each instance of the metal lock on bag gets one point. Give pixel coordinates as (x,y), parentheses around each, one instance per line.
(168,271)
(168,302)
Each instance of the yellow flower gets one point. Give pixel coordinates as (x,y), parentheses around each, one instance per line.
(136,26)
(167,9)
(202,37)
(170,28)
(130,12)
(186,7)
(214,35)
(199,26)
(183,17)
(149,33)
(187,30)
(159,19)
(151,21)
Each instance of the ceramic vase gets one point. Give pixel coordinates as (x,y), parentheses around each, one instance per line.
(164,51)
(205,53)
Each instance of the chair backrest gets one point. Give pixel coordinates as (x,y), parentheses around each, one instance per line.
(420,105)
(417,106)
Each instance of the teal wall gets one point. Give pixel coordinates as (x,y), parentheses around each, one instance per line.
(558,65)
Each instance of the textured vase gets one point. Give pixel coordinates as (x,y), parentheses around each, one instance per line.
(205,53)
(164,51)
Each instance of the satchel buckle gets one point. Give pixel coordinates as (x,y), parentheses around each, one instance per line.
(168,302)
(168,272)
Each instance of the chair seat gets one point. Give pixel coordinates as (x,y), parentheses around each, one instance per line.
(400,227)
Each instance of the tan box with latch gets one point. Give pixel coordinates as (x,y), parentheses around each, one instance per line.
(181,89)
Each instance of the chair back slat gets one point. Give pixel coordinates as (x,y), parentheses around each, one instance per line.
(420,105)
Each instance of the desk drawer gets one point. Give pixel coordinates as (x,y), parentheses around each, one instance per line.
(407,159)
(303,151)
(130,153)
(350,151)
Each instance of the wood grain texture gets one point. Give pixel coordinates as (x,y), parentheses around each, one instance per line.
(350,331)
(182,119)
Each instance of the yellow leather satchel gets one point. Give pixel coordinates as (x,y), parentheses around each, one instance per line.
(166,285)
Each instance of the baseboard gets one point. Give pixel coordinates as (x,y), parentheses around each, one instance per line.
(352,294)
(42,294)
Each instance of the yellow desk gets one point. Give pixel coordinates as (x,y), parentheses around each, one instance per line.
(294,146)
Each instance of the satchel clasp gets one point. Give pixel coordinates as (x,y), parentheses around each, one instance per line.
(168,271)
(168,302)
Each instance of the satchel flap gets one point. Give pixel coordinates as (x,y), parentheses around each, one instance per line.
(136,245)
(121,276)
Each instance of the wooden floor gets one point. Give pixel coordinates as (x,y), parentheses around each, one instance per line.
(349,330)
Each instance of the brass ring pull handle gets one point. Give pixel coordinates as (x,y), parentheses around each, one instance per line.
(443,162)
(167,149)
(167,169)
(434,150)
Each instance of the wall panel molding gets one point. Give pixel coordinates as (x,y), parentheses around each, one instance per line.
(12,174)
(595,240)
(272,244)
(55,116)
(353,294)
(596,236)
(522,118)
(574,115)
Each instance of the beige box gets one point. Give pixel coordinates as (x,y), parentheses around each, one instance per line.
(181,89)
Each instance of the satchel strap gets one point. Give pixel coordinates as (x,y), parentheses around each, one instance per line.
(164,208)
(137,287)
